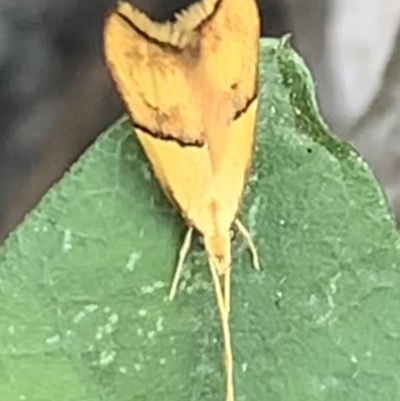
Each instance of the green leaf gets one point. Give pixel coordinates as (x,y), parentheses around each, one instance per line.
(84,280)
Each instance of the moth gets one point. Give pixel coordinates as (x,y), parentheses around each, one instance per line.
(190,87)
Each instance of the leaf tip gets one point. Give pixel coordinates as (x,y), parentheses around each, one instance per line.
(284,42)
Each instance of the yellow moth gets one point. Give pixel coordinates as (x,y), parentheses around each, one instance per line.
(190,87)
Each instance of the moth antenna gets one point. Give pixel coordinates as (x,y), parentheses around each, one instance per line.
(182,256)
(224,314)
(227,290)
(247,237)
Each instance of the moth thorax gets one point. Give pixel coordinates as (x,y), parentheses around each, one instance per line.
(218,247)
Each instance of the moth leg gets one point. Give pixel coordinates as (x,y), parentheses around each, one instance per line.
(182,256)
(247,237)
(224,313)
(227,290)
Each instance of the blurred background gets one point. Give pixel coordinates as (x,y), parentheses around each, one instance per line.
(56,95)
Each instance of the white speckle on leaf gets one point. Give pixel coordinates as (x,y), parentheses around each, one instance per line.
(22,397)
(146,171)
(91,308)
(78,317)
(353,359)
(53,340)
(134,257)
(113,319)
(11,329)
(182,285)
(107,357)
(282,222)
(159,324)
(67,241)
(253,178)
(244,367)
(109,327)
(330,301)
(139,332)
(333,281)
(146,289)
(149,289)
(368,354)
(373,278)
(252,214)
(107,309)
(137,367)
(312,300)
(123,370)
(151,334)
(322,319)
(99,333)
(198,282)
(331,382)
(163,361)
(142,312)
(159,284)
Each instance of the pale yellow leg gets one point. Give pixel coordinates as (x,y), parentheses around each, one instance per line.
(225,330)
(227,290)
(182,256)
(246,235)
